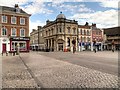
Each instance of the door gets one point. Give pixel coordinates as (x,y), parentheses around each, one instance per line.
(4,47)
(60,46)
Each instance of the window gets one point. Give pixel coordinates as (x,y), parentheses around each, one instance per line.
(4,31)
(13,32)
(13,20)
(22,46)
(22,32)
(81,31)
(68,40)
(84,32)
(74,31)
(68,29)
(60,30)
(4,19)
(87,32)
(22,21)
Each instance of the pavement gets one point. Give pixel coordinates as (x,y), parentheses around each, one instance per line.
(15,74)
(30,70)
(106,62)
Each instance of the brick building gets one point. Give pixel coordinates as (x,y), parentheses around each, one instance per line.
(14,30)
(97,36)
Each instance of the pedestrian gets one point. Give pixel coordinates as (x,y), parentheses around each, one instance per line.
(113,45)
(94,44)
(74,49)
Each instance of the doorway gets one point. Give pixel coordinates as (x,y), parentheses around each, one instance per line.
(3,47)
(60,46)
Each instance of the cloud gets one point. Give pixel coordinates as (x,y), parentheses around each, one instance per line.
(11,3)
(71,7)
(103,19)
(33,25)
(37,8)
(109,4)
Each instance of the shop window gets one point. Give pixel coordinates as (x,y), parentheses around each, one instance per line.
(4,31)
(22,46)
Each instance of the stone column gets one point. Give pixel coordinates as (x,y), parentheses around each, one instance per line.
(48,44)
(71,45)
(51,45)
(54,45)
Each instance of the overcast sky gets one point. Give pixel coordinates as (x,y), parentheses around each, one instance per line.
(102,12)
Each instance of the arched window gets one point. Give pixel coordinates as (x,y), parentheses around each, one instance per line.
(4,31)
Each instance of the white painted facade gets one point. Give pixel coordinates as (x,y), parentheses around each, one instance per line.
(4,40)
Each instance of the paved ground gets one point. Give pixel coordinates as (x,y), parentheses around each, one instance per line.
(35,70)
(102,61)
(15,74)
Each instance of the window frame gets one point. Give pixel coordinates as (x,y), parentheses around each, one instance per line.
(12,20)
(12,32)
(21,32)
(2,31)
(21,21)
(2,19)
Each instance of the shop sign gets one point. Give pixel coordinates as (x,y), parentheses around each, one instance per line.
(20,39)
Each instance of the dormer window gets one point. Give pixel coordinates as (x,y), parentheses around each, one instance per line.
(18,10)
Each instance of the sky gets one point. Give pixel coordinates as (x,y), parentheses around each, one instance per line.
(102,12)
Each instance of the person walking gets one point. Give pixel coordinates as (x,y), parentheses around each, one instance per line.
(74,48)
(113,45)
(94,44)
(74,44)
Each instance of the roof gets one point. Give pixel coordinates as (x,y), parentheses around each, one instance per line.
(61,16)
(84,26)
(112,31)
(12,9)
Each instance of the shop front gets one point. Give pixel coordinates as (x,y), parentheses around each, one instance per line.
(21,42)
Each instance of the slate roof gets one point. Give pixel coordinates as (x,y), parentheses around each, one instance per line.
(12,9)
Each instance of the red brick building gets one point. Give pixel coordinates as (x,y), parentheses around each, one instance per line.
(97,36)
(14,30)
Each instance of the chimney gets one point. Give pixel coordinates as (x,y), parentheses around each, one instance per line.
(33,30)
(16,6)
(94,25)
(86,24)
(39,27)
